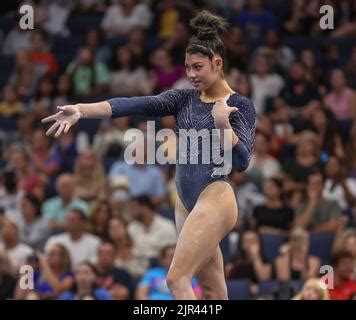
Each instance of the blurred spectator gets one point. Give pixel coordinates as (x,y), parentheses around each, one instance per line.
(265,82)
(25,75)
(58,12)
(165,72)
(322,122)
(280,56)
(28,180)
(249,263)
(317,214)
(89,78)
(143,178)
(63,91)
(55,209)
(312,290)
(274,216)
(313,71)
(306,159)
(343,286)
(41,55)
(121,17)
(341,100)
(99,218)
(34,230)
(346,241)
(125,257)
(7,277)
(117,281)
(262,165)
(295,262)
(127,78)
(52,275)
(120,197)
(10,242)
(350,68)
(153,285)
(338,186)
(85,287)
(44,161)
(166,16)
(149,231)
(11,104)
(16,39)
(90,7)
(255,22)
(89,176)
(136,44)
(80,244)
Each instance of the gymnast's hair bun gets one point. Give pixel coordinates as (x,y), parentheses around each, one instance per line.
(207,26)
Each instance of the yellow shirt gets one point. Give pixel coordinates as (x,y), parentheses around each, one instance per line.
(9,109)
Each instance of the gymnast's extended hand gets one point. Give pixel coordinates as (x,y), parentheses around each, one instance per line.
(66,117)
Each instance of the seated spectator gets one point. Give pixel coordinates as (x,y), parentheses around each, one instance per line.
(306,159)
(28,180)
(153,285)
(119,19)
(10,242)
(89,177)
(117,281)
(52,275)
(40,54)
(125,257)
(85,287)
(312,290)
(295,263)
(55,209)
(34,230)
(99,218)
(338,187)
(346,241)
(16,39)
(127,77)
(63,91)
(249,263)
(7,277)
(274,216)
(89,78)
(143,178)
(120,198)
(165,72)
(11,104)
(80,244)
(322,123)
(344,286)
(317,214)
(262,165)
(255,22)
(149,231)
(264,83)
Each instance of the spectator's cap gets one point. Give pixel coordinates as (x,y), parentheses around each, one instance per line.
(120,182)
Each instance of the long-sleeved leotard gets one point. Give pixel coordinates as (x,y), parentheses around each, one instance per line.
(192,113)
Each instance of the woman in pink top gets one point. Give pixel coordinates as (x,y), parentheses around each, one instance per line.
(342,102)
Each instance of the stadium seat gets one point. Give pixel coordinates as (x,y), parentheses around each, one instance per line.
(267,287)
(321,246)
(270,245)
(239,289)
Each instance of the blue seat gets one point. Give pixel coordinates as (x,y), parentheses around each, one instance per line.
(78,25)
(267,287)
(321,246)
(270,245)
(8,124)
(90,126)
(239,289)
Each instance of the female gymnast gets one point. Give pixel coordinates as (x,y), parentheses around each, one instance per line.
(206,209)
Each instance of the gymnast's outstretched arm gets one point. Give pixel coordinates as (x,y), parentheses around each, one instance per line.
(160,105)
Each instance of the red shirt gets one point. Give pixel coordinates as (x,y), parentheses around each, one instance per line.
(344,291)
(47,59)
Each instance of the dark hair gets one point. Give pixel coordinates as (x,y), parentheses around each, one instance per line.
(339,256)
(35,202)
(277,182)
(145,201)
(206,39)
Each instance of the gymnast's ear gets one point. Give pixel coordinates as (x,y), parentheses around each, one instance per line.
(218,63)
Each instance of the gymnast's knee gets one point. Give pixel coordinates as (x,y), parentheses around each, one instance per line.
(177,281)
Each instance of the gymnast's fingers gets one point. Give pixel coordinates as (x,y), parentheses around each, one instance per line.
(59,131)
(52,128)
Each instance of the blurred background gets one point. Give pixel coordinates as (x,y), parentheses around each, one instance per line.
(93,227)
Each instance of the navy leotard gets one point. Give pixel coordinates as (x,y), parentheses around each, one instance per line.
(192,113)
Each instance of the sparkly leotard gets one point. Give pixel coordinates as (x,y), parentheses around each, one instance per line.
(192,113)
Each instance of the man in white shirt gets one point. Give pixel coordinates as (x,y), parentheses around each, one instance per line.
(80,244)
(149,231)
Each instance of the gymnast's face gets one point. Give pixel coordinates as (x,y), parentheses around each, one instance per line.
(201,71)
